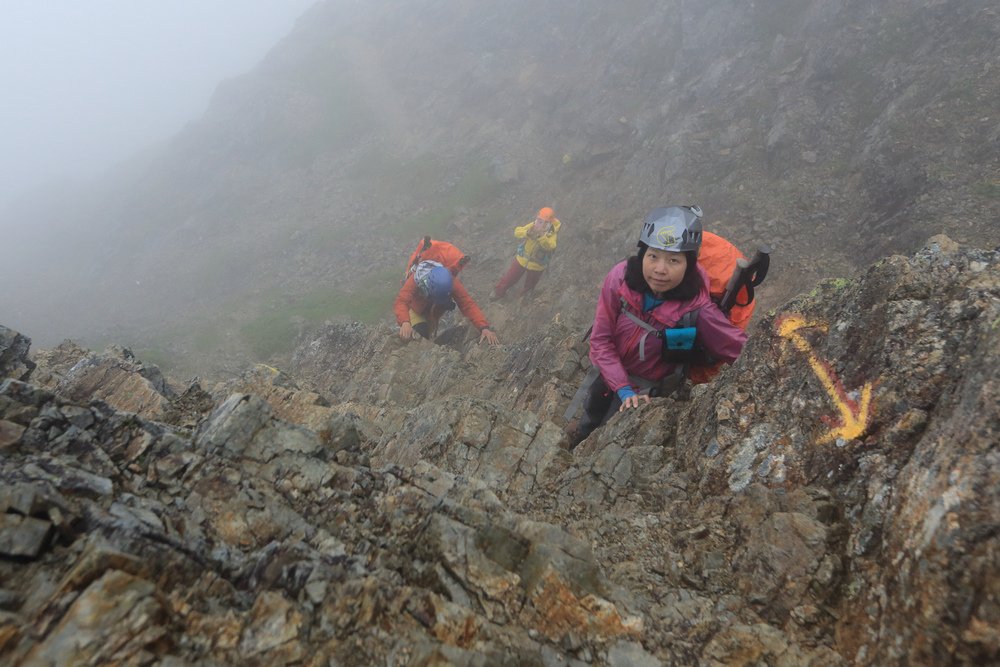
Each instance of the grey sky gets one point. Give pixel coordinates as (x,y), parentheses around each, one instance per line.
(87,83)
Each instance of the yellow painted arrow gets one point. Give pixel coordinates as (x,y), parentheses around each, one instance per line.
(854,416)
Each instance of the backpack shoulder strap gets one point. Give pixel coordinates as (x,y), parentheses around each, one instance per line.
(642,324)
(688,319)
(422,246)
(415,256)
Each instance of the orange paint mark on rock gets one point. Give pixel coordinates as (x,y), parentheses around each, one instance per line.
(855,416)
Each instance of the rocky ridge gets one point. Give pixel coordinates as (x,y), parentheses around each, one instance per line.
(830,499)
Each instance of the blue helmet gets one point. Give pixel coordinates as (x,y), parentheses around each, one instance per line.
(435,283)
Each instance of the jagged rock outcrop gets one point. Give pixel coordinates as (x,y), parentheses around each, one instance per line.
(125,542)
(892,480)
(52,365)
(116,376)
(14,361)
(123,381)
(840,462)
(830,499)
(371,365)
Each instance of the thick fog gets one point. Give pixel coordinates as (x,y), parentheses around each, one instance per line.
(87,84)
(835,138)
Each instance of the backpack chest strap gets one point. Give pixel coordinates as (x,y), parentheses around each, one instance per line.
(686,323)
(649,328)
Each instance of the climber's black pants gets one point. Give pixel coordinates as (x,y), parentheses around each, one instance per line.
(599,406)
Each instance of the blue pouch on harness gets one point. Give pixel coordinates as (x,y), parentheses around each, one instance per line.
(680,339)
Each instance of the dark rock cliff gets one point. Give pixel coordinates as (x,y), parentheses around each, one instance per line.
(830,499)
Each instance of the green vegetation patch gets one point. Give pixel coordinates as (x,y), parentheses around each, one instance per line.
(275,329)
(988,189)
(207,338)
(828,285)
(333,111)
(430,222)
(477,186)
(157,355)
(421,179)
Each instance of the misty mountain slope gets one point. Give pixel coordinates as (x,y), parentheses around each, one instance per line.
(836,132)
(830,499)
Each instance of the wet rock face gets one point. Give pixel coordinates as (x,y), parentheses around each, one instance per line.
(14,361)
(370,366)
(878,398)
(53,364)
(115,376)
(830,499)
(846,442)
(247,542)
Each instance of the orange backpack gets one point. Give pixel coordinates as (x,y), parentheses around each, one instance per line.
(441,252)
(718,257)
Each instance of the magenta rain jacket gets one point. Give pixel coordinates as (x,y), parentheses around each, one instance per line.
(614,342)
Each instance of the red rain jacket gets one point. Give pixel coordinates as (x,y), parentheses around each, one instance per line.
(411,298)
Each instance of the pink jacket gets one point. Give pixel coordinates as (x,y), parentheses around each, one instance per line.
(614,342)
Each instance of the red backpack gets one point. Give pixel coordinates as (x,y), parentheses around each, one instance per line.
(441,252)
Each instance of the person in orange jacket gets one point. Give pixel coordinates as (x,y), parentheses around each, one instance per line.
(430,290)
(533,254)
